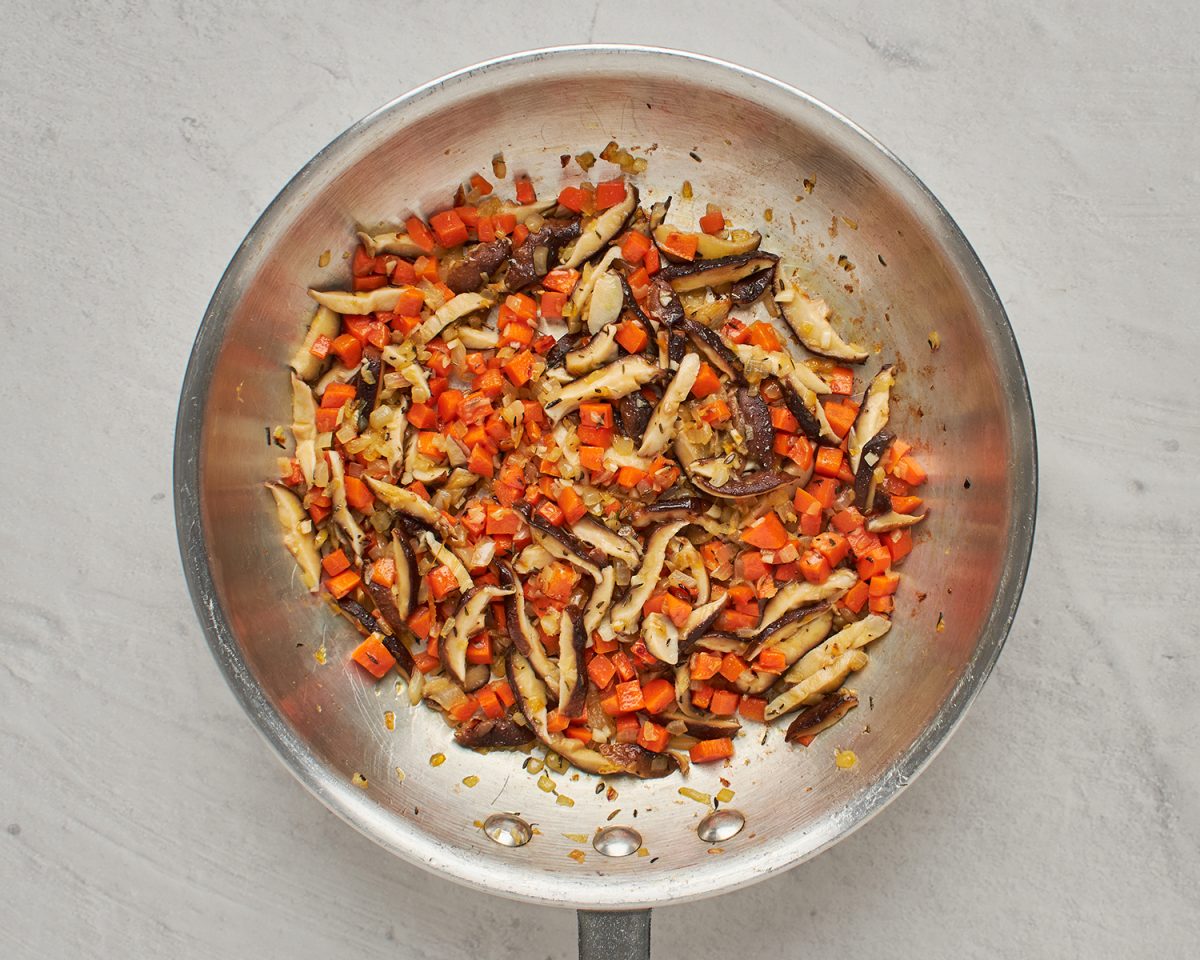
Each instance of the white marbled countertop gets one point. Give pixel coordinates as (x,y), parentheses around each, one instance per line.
(139,813)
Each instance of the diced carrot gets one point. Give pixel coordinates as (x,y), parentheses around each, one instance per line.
(553,304)
(625,668)
(422,416)
(559,580)
(505,223)
(595,436)
(899,544)
(832,546)
(829,461)
(525,191)
(503,521)
(383,572)
(651,263)
(802,500)
(480,461)
(373,656)
(368,283)
(489,703)
(419,234)
(676,610)
(846,520)
(348,349)
(715,411)
(855,597)
(519,369)
(601,670)
(823,490)
(713,221)
(628,728)
(582,734)
(421,622)
(448,403)
(358,494)
(841,381)
(336,395)
(629,477)
(883,585)
(485,229)
(704,665)
(814,567)
(343,583)
(840,416)
(767,532)
(480,184)
(429,444)
(479,649)
(658,694)
(875,561)
(334,563)
(572,505)
(762,334)
(882,604)
(634,247)
(592,458)
(320,347)
(632,336)
(449,228)
(629,696)
(732,620)
(702,695)
(442,582)
(782,419)
(410,303)
(724,703)
(750,565)
(861,541)
(503,692)
(551,512)
(490,383)
(908,470)
(572,198)
(556,722)
(708,751)
(653,737)
(609,193)
(681,245)
(754,708)
(706,383)
(596,414)
(772,660)
(639,280)
(906,504)
(733,666)
(522,305)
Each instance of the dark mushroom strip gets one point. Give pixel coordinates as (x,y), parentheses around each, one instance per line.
(527,265)
(809,319)
(820,716)
(754,420)
(700,623)
(872,415)
(603,229)
(662,303)
(589,530)
(784,627)
(746,291)
(612,382)
(886,522)
(661,428)
(408,581)
(523,634)
(530,693)
(468,620)
(368,625)
(715,273)
(599,350)
(573,678)
(866,476)
(407,502)
(627,613)
(487,732)
(366,386)
(814,687)
(634,759)
(564,545)
(853,636)
(702,726)
(718,641)
(481,262)
(715,351)
(797,386)
(679,508)
(709,246)
(633,415)
(557,356)
(810,426)
(801,593)
(748,485)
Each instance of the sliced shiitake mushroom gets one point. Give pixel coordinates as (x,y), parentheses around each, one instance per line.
(753,418)
(627,613)
(521,631)
(821,715)
(325,323)
(301,544)
(616,380)
(870,471)
(872,414)
(633,415)
(809,319)
(493,732)
(711,246)
(754,484)
(714,350)
(533,259)
(715,273)
(480,263)
(603,229)
(468,621)
(746,291)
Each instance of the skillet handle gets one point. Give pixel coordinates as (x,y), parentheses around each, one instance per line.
(614,934)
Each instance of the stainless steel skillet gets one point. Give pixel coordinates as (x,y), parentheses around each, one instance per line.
(842,206)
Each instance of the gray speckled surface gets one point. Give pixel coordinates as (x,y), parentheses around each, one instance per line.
(143,817)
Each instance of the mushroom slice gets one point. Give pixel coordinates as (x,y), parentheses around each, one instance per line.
(573,681)
(808,398)
(627,613)
(820,716)
(596,611)
(870,471)
(715,351)
(814,687)
(531,260)
(754,420)
(805,414)
(369,626)
(714,273)
(796,643)
(809,319)
(557,356)
(886,522)
(341,512)
(530,693)
(636,760)
(409,503)
(589,530)
(746,291)
(587,282)
(564,545)
(468,620)
(748,485)
(488,732)
(525,637)
(602,229)
(872,415)
(710,246)
(689,555)
(475,338)
(661,637)
(699,623)
(392,435)
(691,509)
(605,303)
(801,593)
(702,726)
(601,349)
(633,416)
(523,212)
(661,428)
(324,323)
(662,304)
(783,627)
(408,580)
(304,427)
(479,263)
(299,541)
(611,382)
(443,554)
(360,303)
(394,242)
(452,310)
(853,637)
